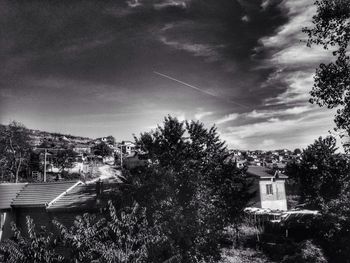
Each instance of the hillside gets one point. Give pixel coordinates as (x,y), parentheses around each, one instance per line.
(39,137)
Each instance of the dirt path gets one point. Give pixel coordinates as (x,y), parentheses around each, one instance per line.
(105,173)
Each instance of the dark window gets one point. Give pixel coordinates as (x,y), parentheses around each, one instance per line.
(269,190)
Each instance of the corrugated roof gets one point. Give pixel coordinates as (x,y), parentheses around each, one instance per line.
(82,197)
(7,193)
(40,194)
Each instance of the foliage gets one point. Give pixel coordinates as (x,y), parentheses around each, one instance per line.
(307,252)
(321,172)
(65,159)
(118,237)
(14,149)
(335,226)
(35,246)
(331,29)
(102,149)
(324,180)
(189,187)
(122,238)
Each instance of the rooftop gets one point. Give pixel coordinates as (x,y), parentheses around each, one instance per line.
(41,194)
(8,192)
(263,172)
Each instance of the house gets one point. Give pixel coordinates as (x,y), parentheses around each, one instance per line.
(44,202)
(127,147)
(8,192)
(270,188)
(34,200)
(82,148)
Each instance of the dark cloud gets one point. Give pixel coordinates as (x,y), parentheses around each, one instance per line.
(96,58)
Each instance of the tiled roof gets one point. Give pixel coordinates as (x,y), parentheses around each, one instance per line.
(82,197)
(7,193)
(41,194)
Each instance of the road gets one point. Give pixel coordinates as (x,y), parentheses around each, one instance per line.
(105,173)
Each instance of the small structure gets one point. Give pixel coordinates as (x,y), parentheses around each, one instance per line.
(8,192)
(127,147)
(270,188)
(44,202)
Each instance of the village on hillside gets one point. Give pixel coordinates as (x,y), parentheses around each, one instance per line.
(175,131)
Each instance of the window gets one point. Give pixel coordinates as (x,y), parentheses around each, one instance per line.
(269,190)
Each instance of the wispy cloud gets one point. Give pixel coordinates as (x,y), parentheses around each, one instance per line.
(200,50)
(272,133)
(227,118)
(294,63)
(201,115)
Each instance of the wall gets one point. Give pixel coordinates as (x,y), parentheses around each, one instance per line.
(274,201)
(6,231)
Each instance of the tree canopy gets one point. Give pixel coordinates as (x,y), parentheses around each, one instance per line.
(102,149)
(320,173)
(15,149)
(331,29)
(189,187)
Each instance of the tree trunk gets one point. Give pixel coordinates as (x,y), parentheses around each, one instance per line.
(18,167)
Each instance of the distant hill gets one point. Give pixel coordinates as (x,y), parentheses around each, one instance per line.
(54,139)
(57,139)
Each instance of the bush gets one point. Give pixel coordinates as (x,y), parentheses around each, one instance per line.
(307,252)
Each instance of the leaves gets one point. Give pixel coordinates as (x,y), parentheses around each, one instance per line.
(321,172)
(189,188)
(332,81)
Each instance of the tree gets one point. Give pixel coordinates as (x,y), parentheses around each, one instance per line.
(323,176)
(332,81)
(189,188)
(36,246)
(297,151)
(102,149)
(15,148)
(65,159)
(320,173)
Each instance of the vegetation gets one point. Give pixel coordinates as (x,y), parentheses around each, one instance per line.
(321,172)
(102,149)
(323,176)
(332,82)
(14,149)
(65,159)
(189,188)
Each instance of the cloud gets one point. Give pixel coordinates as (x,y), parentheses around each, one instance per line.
(290,133)
(171,3)
(227,118)
(287,52)
(201,115)
(200,50)
(278,113)
(245,18)
(134,3)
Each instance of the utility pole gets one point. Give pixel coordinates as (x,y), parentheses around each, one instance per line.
(45,165)
(121,157)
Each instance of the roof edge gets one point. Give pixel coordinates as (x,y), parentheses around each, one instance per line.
(63,193)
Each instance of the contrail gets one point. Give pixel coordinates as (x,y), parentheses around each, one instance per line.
(200,90)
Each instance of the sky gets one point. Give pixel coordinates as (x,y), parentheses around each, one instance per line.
(98,68)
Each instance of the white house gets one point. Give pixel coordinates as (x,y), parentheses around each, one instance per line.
(269,187)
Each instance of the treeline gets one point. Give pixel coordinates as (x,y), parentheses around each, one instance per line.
(18,159)
(175,209)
